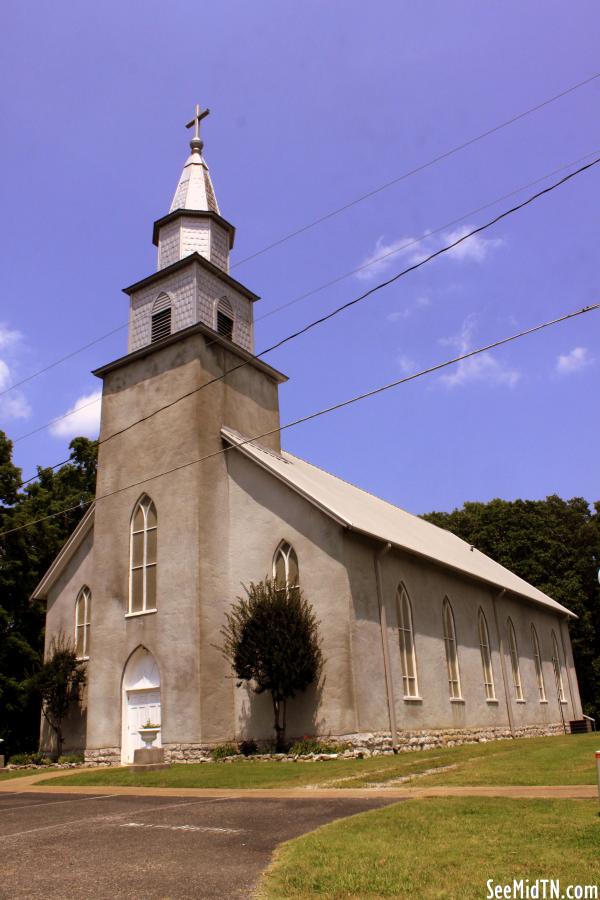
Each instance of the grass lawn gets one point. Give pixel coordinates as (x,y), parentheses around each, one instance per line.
(442,848)
(558,760)
(5,774)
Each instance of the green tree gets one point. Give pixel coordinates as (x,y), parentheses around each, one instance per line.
(25,555)
(271,640)
(555,545)
(57,684)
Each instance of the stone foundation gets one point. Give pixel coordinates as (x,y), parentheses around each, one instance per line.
(359,744)
(104,756)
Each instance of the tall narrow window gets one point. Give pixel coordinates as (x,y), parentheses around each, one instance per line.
(406,637)
(142,590)
(486,656)
(285,567)
(83,612)
(161,318)
(225,318)
(557,669)
(451,651)
(514,659)
(537,658)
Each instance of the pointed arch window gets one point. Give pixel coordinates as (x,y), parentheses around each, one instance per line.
(514,660)
(537,658)
(224,321)
(486,656)
(451,651)
(142,583)
(285,567)
(83,612)
(161,318)
(557,669)
(406,637)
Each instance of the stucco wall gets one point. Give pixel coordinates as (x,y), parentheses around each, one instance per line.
(193,525)
(427,584)
(60,618)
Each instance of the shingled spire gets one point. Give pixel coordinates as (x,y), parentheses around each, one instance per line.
(194,223)
(195,189)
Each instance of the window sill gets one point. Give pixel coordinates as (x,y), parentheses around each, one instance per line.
(82,658)
(412,699)
(493,701)
(544,701)
(520,701)
(564,702)
(457,699)
(143,612)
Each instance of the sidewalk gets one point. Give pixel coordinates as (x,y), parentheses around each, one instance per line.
(31,783)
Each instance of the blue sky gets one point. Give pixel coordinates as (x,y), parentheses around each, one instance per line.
(313,104)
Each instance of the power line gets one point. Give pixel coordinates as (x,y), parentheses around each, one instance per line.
(322,319)
(418,169)
(315,415)
(333,213)
(428,234)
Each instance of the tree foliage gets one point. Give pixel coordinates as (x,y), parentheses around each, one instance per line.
(24,557)
(555,545)
(57,683)
(271,640)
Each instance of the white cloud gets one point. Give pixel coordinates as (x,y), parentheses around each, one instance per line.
(13,404)
(574,361)
(8,337)
(475,248)
(399,314)
(406,364)
(483,367)
(81,419)
(414,250)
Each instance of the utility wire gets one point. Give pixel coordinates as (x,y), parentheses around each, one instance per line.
(350,303)
(315,415)
(372,262)
(419,168)
(336,212)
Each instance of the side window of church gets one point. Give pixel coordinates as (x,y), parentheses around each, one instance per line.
(514,660)
(408,661)
(451,651)
(285,567)
(142,585)
(83,611)
(486,656)
(225,318)
(161,318)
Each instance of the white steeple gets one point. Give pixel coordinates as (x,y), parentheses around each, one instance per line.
(194,223)
(195,190)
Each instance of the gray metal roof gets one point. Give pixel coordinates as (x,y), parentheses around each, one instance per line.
(363,512)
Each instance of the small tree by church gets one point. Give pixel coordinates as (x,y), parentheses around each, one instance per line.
(57,684)
(271,640)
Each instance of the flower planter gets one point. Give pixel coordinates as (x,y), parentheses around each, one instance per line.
(148,735)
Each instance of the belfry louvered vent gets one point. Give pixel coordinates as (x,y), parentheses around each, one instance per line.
(225,325)
(161,325)
(225,318)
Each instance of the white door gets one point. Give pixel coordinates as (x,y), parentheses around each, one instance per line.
(142,707)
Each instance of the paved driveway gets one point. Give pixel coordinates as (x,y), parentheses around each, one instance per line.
(61,846)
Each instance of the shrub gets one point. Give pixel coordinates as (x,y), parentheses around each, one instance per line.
(29,759)
(71,758)
(311,745)
(248,748)
(224,750)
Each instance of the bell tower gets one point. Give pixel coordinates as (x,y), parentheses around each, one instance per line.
(192,282)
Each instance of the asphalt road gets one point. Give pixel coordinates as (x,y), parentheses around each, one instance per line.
(172,848)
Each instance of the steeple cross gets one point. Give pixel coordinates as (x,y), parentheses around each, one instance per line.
(196,121)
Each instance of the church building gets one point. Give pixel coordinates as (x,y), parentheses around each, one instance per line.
(425,639)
